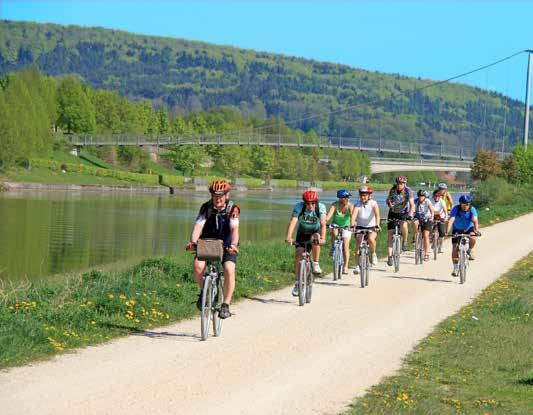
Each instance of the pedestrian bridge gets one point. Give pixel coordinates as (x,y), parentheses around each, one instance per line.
(384,165)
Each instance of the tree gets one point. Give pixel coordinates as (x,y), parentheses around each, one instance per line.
(486,165)
(524,161)
(188,158)
(76,112)
(262,162)
(164,123)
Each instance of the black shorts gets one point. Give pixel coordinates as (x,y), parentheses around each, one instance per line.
(456,239)
(392,215)
(441,226)
(425,225)
(302,239)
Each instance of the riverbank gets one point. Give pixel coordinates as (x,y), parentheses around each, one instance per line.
(476,361)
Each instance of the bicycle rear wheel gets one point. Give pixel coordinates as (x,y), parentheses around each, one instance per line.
(302,282)
(217,302)
(206,306)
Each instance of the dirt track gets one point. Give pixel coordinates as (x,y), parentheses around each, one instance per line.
(273,357)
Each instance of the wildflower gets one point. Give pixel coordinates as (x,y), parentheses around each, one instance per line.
(110,296)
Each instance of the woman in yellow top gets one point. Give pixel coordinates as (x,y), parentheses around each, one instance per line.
(340,213)
(446,196)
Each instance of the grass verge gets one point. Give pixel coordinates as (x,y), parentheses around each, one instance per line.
(48,317)
(478,361)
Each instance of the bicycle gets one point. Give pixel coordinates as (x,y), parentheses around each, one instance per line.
(396,242)
(337,254)
(464,247)
(364,256)
(305,275)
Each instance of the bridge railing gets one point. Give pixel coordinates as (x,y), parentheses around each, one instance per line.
(372,144)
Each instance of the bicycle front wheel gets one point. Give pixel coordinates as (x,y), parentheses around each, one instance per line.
(206,306)
(435,243)
(302,282)
(367,267)
(396,247)
(463,261)
(363,266)
(418,249)
(217,302)
(309,287)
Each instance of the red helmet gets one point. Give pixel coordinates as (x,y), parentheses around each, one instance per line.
(310,196)
(366,189)
(401,179)
(219,187)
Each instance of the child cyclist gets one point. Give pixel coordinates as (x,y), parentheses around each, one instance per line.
(366,215)
(340,213)
(424,218)
(310,217)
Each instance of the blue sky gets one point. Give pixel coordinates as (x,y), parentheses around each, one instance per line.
(432,39)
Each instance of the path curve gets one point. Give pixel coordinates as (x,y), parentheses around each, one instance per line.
(273,357)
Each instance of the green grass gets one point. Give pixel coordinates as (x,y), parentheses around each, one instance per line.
(41,319)
(481,365)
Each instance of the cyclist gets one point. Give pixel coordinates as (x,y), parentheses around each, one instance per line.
(446,196)
(340,213)
(366,215)
(440,217)
(401,206)
(309,217)
(463,219)
(424,217)
(219,219)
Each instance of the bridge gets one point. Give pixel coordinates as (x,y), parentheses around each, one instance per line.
(430,156)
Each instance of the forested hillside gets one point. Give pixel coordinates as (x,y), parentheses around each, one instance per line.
(188,76)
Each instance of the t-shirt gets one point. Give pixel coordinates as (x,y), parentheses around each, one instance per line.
(463,219)
(365,214)
(441,211)
(422,211)
(400,200)
(308,222)
(339,218)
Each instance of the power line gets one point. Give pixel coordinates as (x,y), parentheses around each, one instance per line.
(349,107)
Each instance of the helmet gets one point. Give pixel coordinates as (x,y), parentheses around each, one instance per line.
(401,179)
(422,192)
(443,186)
(219,187)
(365,189)
(342,193)
(310,196)
(465,199)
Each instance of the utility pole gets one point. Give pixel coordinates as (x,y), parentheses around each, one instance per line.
(528,87)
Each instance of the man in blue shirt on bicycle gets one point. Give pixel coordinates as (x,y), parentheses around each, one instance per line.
(310,217)
(463,219)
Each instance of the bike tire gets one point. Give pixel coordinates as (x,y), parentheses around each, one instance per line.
(363,266)
(217,321)
(435,244)
(367,268)
(396,253)
(206,307)
(302,282)
(463,260)
(338,262)
(418,249)
(309,287)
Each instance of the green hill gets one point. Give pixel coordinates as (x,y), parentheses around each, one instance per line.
(188,76)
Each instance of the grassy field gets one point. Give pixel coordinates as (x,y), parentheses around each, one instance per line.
(45,318)
(478,361)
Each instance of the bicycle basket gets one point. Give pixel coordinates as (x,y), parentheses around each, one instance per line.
(209,250)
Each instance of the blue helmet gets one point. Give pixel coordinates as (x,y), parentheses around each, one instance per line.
(343,193)
(465,199)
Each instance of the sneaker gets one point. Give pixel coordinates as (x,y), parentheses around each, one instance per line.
(199,302)
(405,248)
(440,250)
(345,271)
(389,261)
(315,267)
(296,290)
(471,256)
(455,272)
(374,259)
(224,311)
(357,270)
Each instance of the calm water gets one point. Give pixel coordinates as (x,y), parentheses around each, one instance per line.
(53,232)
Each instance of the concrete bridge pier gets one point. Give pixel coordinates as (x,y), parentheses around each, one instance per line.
(154,153)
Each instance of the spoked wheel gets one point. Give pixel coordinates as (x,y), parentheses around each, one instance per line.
(206,306)
(463,261)
(302,282)
(217,301)
(396,253)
